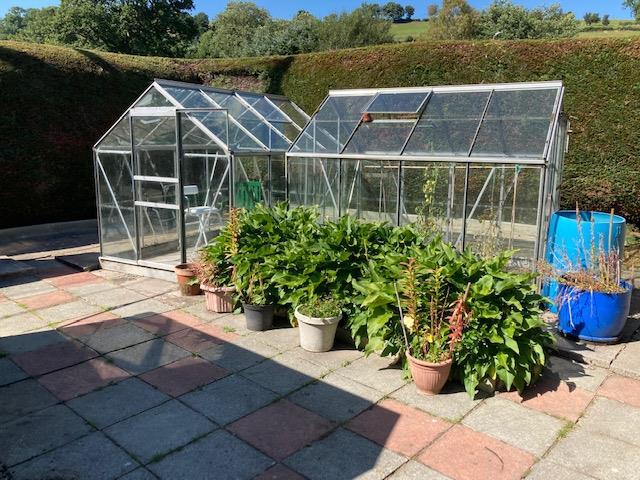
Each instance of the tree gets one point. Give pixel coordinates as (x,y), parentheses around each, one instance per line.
(605,20)
(455,20)
(591,18)
(409,11)
(282,37)
(359,28)
(432,10)
(393,11)
(634,6)
(13,22)
(201,21)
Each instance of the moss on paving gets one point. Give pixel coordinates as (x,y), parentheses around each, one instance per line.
(57,101)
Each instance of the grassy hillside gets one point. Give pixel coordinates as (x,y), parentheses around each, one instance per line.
(56,102)
(401,31)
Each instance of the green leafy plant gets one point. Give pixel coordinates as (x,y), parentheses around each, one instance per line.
(321,307)
(215,266)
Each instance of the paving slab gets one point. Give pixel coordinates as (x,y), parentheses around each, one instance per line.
(235,323)
(344,454)
(21,323)
(398,427)
(239,355)
(26,342)
(376,372)
(68,311)
(39,432)
(610,418)
(139,474)
(147,356)
(9,308)
(339,356)
(228,399)
(516,425)
(285,338)
(117,337)
(142,308)
(22,398)
(45,300)
(623,389)
(280,429)
(598,355)
(82,378)
(279,472)
(12,268)
(465,454)
(575,374)
(219,455)
(413,470)
(178,300)
(117,402)
(168,322)
(160,430)
(184,375)
(53,357)
(10,372)
(93,457)
(87,326)
(284,373)
(545,470)
(73,279)
(336,398)
(90,290)
(82,261)
(151,287)
(113,298)
(452,403)
(24,286)
(627,362)
(199,309)
(200,337)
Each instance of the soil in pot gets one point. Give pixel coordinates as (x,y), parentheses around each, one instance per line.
(317,334)
(185,274)
(218,299)
(259,317)
(429,377)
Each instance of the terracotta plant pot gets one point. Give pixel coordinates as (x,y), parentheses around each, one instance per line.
(429,377)
(185,274)
(218,299)
(317,334)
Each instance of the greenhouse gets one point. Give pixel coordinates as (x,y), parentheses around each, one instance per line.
(171,167)
(479,164)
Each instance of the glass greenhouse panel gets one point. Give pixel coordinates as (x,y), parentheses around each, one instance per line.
(119,138)
(397,102)
(380,137)
(278,179)
(189,97)
(263,107)
(298,117)
(115,200)
(154,130)
(153,98)
(433,197)
(215,122)
(314,181)
(448,124)
(369,190)
(159,239)
(516,124)
(251,180)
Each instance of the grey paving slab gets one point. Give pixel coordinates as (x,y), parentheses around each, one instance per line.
(9,308)
(413,470)
(219,455)
(577,374)
(546,470)
(284,373)
(139,474)
(613,419)
(83,261)
(627,362)
(21,323)
(160,430)
(90,291)
(114,298)
(106,340)
(180,301)
(589,353)
(142,308)
(228,399)
(93,457)
(68,311)
(515,424)
(117,402)
(597,456)
(286,338)
(26,342)
(150,287)
(376,372)
(343,455)
(339,357)
(336,398)
(24,286)
(452,403)
(21,398)
(147,356)
(10,372)
(13,268)
(39,432)
(242,353)
(199,309)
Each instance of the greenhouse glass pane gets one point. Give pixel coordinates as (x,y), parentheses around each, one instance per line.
(380,137)
(154,131)
(251,176)
(278,179)
(314,181)
(502,203)
(334,123)
(369,190)
(448,124)
(193,134)
(214,121)
(262,106)
(153,98)
(189,97)
(516,124)
(288,129)
(119,138)
(397,102)
(291,111)
(433,197)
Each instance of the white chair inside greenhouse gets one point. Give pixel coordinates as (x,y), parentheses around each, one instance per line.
(203,213)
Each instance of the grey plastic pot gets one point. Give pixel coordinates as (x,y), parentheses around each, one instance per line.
(259,317)
(317,334)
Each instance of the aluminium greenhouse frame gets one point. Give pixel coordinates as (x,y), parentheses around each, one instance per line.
(362,147)
(168,171)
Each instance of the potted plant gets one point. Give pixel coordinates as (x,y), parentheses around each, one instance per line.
(187,280)
(431,328)
(257,305)
(214,283)
(318,321)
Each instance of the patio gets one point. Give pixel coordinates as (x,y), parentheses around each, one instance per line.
(106,375)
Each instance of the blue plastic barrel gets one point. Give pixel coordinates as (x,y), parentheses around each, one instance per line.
(571,243)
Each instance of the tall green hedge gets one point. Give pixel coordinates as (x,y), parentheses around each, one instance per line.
(55,102)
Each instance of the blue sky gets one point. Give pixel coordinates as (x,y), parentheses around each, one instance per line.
(285,9)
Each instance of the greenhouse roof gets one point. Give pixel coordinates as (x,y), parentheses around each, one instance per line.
(481,123)
(230,119)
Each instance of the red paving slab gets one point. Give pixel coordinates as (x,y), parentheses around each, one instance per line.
(83,378)
(184,375)
(623,389)
(464,454)
(45,300)
(76,278)
(555,398)
(281,428)
(279,472)
(53,357)
(201,337)
(168,322)
(91,324)
(398,427)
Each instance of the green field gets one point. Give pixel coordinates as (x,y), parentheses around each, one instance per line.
(401,31)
